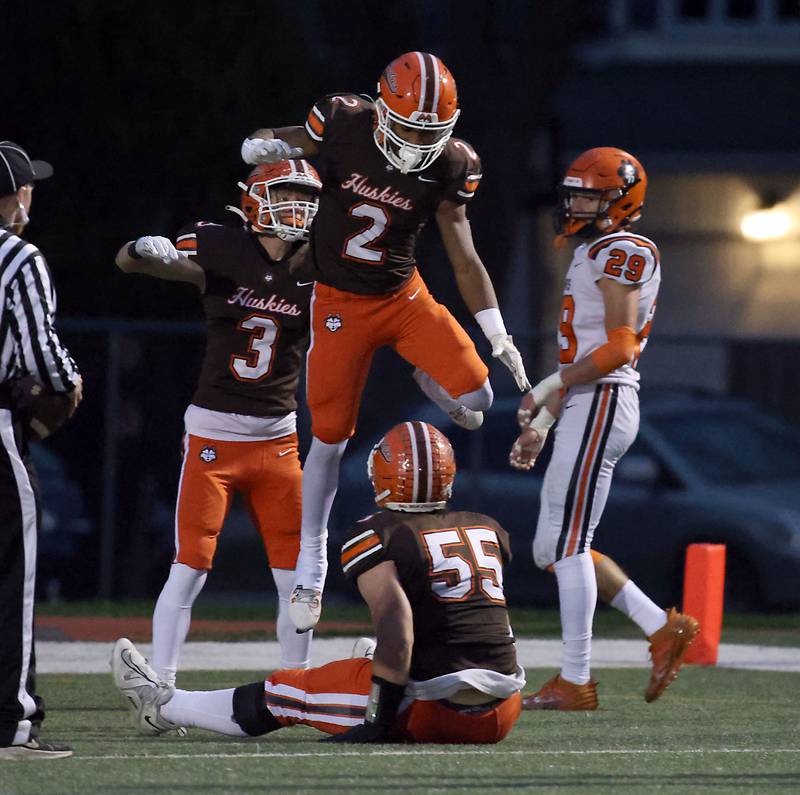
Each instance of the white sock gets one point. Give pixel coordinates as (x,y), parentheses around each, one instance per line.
(295,649)
(320,481)
(640,608)
(478,400)
(434,392)
(172,617)
(577,596)
(204,709)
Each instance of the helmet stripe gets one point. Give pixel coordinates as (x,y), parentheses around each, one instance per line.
(428,459)
(436,84)
(414,461)
(431,83)
(423,80)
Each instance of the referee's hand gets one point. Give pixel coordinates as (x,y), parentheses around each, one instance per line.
(76,396)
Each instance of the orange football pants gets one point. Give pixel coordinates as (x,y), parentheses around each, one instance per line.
(268,476)
(333,698)
(348,328)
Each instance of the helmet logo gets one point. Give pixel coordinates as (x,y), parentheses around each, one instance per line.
(627,173)
(386,451)
(391,79)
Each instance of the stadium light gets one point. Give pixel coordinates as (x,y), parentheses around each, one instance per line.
(770,223)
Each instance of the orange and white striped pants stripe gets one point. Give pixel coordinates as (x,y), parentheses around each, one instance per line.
(598,424)
(334,697)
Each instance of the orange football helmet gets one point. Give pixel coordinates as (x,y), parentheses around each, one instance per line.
(417,109)
(412,468)
(268,214)
(612,176)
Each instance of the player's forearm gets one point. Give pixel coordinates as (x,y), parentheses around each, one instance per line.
(179,270)
(392,660)
(475,286)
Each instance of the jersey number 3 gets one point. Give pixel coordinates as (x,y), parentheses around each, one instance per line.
(464,560)
(358,247)
(257,362)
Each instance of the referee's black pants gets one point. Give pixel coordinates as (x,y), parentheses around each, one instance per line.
(21,711)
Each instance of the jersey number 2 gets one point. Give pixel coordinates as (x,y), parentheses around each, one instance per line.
(463,560)
(358,247)
(257,362)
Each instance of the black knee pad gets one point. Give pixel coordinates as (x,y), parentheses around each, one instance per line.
(250,710)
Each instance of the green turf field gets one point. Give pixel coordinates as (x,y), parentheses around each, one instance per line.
(713,731)
(772,629)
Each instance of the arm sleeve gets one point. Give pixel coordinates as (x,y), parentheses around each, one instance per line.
(465,173)
(186,241)
(365,547)
(33,302)
(628,260)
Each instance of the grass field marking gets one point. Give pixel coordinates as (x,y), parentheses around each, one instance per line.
(417,751)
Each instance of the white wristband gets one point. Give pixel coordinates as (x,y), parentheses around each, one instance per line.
(546,387)
(542,422)
(491,322)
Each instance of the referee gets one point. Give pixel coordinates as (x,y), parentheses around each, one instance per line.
(28,347)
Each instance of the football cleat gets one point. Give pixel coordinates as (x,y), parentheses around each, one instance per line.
(35,749)
(668,649)
(466,418)
(137,681)
(305,607)
(562,695)
(364,647)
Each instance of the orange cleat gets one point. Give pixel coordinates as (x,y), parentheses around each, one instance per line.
(668,648)
(560,694)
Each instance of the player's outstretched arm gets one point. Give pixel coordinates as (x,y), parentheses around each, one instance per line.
(271,146)
(394,628)
(476,287)
(156,256)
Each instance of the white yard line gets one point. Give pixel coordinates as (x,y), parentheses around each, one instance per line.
(87,658)
(421,751)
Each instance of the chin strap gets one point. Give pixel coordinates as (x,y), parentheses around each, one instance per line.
(237,211)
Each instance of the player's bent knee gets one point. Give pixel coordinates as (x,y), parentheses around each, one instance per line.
(331,433)
(250,710)
(479,399)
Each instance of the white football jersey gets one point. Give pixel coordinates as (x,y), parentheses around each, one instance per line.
(626,258)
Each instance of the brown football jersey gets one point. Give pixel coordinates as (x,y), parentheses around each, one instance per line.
(257,321)
(450,565)
(370,214)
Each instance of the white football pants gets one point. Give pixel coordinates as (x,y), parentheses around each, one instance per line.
(598,423)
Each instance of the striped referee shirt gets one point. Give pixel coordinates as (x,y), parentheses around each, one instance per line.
(29,344)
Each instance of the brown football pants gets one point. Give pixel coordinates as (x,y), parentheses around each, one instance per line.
(348,328)
(333,698)
(268,476)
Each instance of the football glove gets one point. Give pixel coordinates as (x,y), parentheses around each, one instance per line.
(363,733)
(268,150)
(503,348)
(156,248)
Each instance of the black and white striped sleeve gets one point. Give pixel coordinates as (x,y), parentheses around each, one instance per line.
(32,298)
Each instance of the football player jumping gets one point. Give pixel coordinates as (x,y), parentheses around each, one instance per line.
(606,314)
(387,167)
(240,427)
(445,667)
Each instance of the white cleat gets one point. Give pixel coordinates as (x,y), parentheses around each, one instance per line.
(137,681)
(364,647)
(461,415)
(305,607)
(466,418)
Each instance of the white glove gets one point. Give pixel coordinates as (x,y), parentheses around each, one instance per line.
(156,248)
(268,150)
(503,348)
